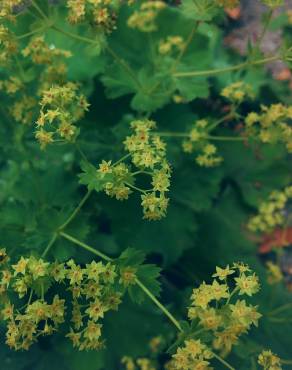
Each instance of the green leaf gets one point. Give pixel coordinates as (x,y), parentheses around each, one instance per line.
(148,275)
(90,177)
(192,87)
(131,257)
(200,10)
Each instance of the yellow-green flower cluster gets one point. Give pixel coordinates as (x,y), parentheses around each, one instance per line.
(194,355)
(218,310)
(51,58)
(273,3)
(11,86)
(8,44)
(93,295)
(198,142)
(37,317)
(144,18)
(7,9)
(170,45)
(271,212)
(209,156)
(272,125)
(41,53)
(115,178)
(269,361)
(274,272)
(93,288)
(101,13)
(23,109)
(139,364)
(237,92)
(148,154)
(61,107)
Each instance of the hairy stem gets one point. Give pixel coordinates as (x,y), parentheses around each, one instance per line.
(76,210)
(39,9)
(85,246)
(158,304)
(226,364)
(50,244)
(236,67)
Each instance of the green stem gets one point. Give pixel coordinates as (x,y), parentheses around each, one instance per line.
(235,290)
(212,72)
(85,246)
(122,159)
(221,120)
(285,320)
(30,297)
(286,362)
(280,309)
(50,244)
(171,134)
(185,46)
(74,35)
(66,223)
(37,30)
(159,305)
(223,361)
(124,65)
(76,210)
(39,10)
(225,138)
(138,189)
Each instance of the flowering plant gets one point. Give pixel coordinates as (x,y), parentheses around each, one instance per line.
(139,154)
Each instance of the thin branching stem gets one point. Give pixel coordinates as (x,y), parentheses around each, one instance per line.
(211,72)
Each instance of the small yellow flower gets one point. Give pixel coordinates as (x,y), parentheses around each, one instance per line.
(223,273)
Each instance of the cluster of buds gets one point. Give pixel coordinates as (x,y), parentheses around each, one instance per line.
(237,92)
(274,272)
(61,107)
(171,44)
(271,212)
(271,125)
(8,44)
(217,308)
(269,361)
(144,18)
(94,291)
(101,13)
(198,142)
